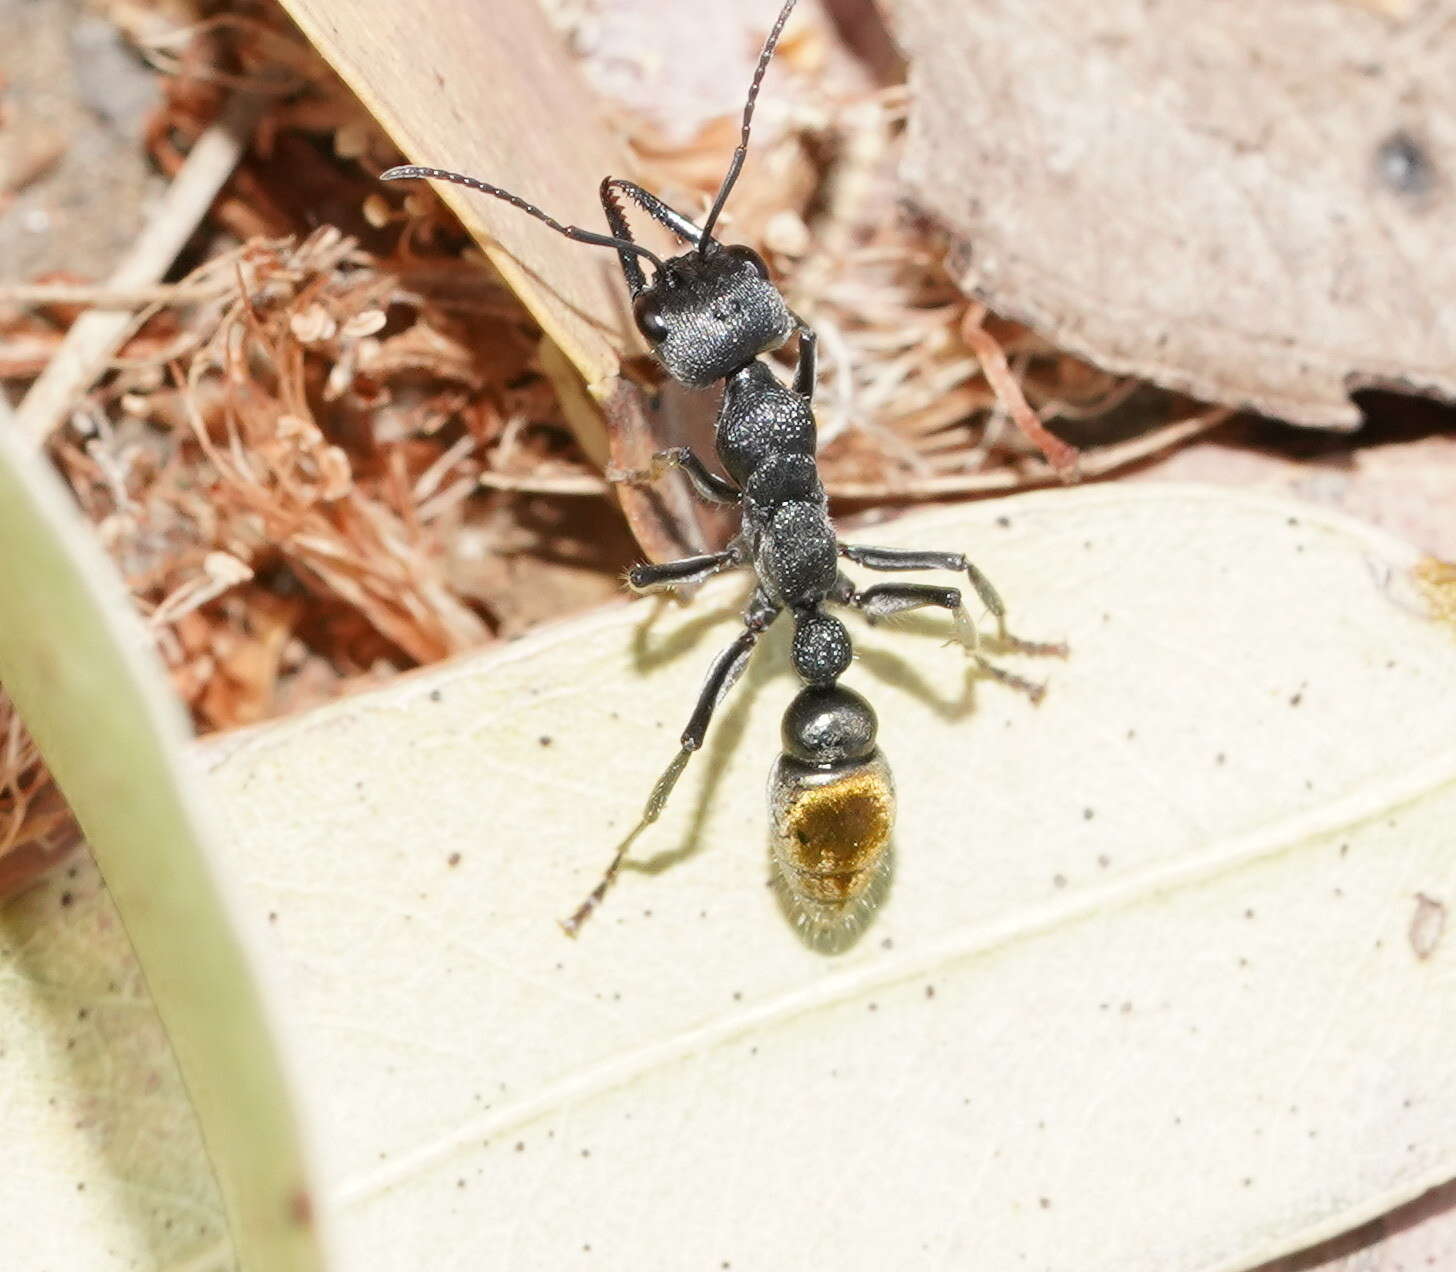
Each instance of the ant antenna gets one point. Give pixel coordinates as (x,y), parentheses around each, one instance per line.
(409,170)
(738,155)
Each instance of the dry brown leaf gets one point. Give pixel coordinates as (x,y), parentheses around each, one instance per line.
(1403,485)
(1249,203)
(489,90)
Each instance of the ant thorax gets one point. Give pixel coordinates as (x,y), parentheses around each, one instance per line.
(761,418)
(786,520)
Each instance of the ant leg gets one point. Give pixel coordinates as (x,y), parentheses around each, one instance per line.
(667,576)
(887,599)
(910,559)
(808,346)
(709,486)
(726,669)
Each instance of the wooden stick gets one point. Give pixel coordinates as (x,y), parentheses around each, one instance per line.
(96,336)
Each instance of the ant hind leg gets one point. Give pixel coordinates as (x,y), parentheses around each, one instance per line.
(722,675)
(887,599)
(886,559)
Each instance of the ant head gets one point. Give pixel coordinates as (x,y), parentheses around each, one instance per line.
(709,313)
(706,313)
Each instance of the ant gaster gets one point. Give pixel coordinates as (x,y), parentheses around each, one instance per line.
(709,315)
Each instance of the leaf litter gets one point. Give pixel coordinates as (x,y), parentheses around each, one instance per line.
(325,455)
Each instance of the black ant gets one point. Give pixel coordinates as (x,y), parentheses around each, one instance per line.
(710,314)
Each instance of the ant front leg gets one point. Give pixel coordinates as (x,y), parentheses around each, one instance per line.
(808,359)
(722,675)
(708,486)
(887,599)
(887,559)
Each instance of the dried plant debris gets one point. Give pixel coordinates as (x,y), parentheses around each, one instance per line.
(291,458)
(1248,203)
(490,89)
(332,448)
(309,476)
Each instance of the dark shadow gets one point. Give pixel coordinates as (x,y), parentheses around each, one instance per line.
(892,669)
(725,622)
(572,532)
(1388,418)
(902,674)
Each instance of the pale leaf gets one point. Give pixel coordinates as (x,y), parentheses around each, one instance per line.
(1143,995)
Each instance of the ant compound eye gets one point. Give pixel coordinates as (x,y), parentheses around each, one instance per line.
(742,252)
(650,321)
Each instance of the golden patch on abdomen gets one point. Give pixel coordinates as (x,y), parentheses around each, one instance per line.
(831,832)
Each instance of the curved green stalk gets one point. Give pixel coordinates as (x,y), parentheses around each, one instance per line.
(80,671)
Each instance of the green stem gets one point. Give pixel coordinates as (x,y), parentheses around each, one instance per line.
(81,672)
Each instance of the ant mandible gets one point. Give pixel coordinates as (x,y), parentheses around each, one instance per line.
(709,315)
